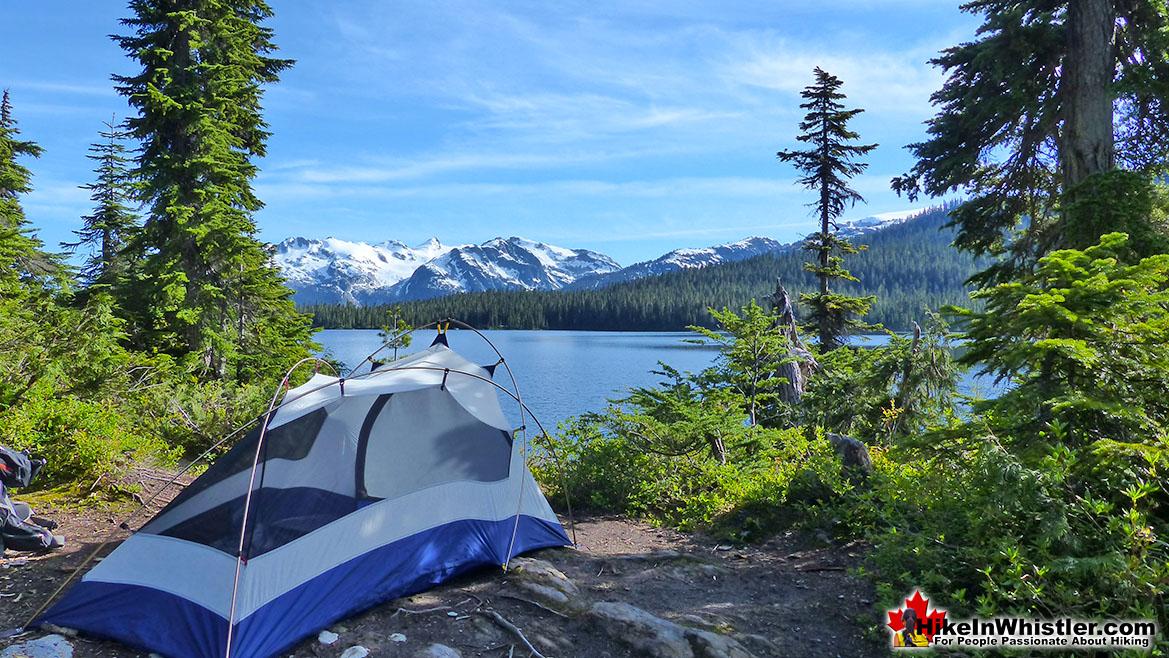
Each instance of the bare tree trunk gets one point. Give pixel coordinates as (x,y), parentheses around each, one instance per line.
(907,368)
(802,363)
(1087,145)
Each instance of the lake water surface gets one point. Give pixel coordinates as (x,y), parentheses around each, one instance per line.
(561,373)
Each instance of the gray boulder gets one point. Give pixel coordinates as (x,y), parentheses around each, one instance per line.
(655,637)
(854,454)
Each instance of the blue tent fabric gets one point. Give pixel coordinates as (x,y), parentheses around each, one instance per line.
(153,620)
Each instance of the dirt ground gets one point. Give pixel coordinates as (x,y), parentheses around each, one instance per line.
(791,596)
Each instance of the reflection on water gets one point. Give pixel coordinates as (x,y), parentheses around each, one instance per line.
(567,373)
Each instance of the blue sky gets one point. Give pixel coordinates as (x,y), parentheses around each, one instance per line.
(631,128)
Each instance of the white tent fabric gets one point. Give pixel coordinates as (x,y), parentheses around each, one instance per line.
(366,489)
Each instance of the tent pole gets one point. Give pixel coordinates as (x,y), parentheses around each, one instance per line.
(243,531)
(146,503)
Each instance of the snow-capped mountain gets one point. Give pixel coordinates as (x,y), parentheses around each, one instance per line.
(512,264)
(333,271)
(859,227)
(336,271)
(683,259)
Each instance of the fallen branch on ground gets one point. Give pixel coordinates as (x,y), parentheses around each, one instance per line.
(511,628)
(420,612)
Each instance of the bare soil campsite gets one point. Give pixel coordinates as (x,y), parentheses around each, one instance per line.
(793,595)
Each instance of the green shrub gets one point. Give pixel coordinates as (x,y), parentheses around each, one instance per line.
(765,468)
(194,416)
(85,442)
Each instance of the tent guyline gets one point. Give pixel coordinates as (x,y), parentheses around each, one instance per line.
(349,492)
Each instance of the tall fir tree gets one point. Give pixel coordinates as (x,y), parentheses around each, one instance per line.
(828,164)
(22,257)
(106,231)
(209,291)
(1036,114)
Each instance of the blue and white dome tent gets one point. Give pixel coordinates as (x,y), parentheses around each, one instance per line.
(355,491)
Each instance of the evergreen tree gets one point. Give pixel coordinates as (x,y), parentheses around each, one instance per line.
(827,165)
(107,229)
(1050,95)
(209,291)
(21,256)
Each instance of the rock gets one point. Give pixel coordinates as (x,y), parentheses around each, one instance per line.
(643,632)
(658,638)
(531,570)
(854,454)
(49,646)
(713,645)
(553,598)
(397,637)
(439,651)
(701,623)
(327,637)
(60,630)
(356,651)
(546,585)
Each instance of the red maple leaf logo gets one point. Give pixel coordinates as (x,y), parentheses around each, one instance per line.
(929,622)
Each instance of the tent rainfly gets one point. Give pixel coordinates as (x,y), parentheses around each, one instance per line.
(356,492)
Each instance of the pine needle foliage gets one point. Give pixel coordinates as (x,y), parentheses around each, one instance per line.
(22,258)
(828,164)
(106,231)
(208,291)
(1002,135)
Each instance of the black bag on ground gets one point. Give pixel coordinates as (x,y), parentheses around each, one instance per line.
(17,470)
(18,532)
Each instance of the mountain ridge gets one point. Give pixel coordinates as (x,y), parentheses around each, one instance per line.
(335,271)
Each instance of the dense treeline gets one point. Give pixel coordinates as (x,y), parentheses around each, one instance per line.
(178,323)
(932,275)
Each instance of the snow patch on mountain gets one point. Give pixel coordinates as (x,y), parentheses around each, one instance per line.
(338,271)
(684,259)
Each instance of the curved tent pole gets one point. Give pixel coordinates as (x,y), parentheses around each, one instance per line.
(167,485)
(239,558)
(523,445)
(369,359)
(523,424)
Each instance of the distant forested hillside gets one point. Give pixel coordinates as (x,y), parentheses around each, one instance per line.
(909,266)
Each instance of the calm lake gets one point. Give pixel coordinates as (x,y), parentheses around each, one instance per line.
(564,373)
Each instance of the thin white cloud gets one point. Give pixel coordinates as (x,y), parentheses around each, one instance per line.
(711,188)
(64,88)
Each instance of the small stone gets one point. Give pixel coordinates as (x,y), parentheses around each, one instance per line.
(356,651)
(439,651)
(452,613)
(397,637)
(49,646)
(327,637)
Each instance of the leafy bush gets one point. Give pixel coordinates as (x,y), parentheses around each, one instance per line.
(86,443)
(626,461)
(1058,533)
(194,416)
